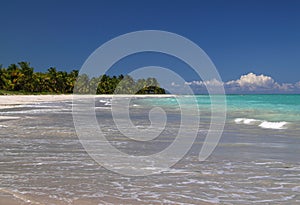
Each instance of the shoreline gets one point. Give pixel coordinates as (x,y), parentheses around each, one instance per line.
(10,100)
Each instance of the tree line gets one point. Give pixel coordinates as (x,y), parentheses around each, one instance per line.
(21,77)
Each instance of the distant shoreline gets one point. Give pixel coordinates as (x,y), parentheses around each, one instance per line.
(9,100)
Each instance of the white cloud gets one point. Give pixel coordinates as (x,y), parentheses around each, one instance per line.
(249,83)
(213,82)
(252,82)
(288,87)
(257,80)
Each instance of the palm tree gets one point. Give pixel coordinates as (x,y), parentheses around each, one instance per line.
(82,84)
(15,78)
(93,85)
(140,86)
(70,81)
(52,73)
(26,79)
(3,78)
(126,86)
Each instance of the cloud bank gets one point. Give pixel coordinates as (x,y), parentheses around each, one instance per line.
(249,83)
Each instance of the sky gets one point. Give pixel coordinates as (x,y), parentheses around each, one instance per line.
(241,37)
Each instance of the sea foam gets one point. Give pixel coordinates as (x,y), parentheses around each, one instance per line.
(273,125)
(246,121)
(262,123)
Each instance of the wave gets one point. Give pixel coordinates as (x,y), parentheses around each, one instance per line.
(106,102)
(262,123)
(246,121)
(8,117)
(273,125)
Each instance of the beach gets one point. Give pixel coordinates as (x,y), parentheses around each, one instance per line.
(6,100)
(150,102)
(44,162)
(9,199)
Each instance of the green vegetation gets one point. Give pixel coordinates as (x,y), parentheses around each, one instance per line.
(21,79)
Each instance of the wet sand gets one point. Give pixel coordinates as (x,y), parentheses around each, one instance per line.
(7,200)
(10,198)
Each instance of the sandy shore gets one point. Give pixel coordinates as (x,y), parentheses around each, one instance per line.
(8,197)
(9,200)
(6,100)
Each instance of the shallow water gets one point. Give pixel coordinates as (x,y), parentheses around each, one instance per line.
(43,161)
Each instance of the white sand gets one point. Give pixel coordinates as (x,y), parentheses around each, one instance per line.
(6,100)
(9,100)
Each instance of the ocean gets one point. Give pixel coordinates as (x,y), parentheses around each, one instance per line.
(256,161)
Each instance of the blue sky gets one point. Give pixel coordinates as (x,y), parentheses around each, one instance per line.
(239,36)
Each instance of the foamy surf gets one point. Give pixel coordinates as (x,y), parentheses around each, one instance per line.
(245,121)
(273,125)
(262,123)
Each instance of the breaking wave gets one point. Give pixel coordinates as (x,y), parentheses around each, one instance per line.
(262,123)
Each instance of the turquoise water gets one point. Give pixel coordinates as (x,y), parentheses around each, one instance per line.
(266,107)
(261,107)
